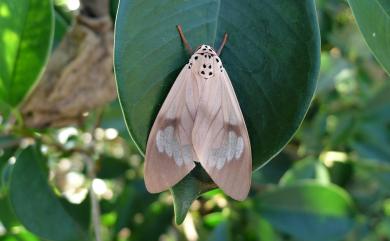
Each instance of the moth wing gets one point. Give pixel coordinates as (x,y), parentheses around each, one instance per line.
(169,152)
(221,140)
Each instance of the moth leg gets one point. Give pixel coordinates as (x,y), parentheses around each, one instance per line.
(183,38)
(225,39)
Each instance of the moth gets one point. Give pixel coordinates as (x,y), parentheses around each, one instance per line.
(200,121)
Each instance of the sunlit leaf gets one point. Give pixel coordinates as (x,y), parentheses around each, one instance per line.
(26,32)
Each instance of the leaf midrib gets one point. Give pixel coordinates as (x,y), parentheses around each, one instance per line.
(18,52)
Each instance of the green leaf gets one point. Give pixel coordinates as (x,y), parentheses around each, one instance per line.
(26,32)
(373,18)
(272,57)
(35,204)
(266,231)
(81,213)
(5,167)
(188,190)
(306,169)
(308,211)
(7,216)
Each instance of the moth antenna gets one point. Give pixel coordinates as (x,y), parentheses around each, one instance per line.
(184,40)
(225,39)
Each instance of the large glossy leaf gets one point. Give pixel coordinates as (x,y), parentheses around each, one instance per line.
(308,211)
(35,204)
(26,30)
(373,18)
(272,58)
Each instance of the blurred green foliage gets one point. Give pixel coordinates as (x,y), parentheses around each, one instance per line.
(330,183)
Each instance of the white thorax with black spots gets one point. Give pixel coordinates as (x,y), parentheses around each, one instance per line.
(205,62)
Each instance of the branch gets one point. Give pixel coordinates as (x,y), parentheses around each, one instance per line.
(95,207)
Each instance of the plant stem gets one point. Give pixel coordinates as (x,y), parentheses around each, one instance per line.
(95,208)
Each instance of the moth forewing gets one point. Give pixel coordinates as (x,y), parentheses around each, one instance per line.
(221,139)
(169,152)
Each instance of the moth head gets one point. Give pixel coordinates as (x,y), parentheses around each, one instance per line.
(205,62)
(205,49)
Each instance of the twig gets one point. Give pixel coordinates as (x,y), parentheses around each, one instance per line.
(95,207)
(98,121)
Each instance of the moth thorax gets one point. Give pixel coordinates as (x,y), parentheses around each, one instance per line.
(206,70)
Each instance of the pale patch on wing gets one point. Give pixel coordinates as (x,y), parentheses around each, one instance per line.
(239,147)
(231,149)
(167,143)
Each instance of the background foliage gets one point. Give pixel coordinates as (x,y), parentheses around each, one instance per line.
(329,183)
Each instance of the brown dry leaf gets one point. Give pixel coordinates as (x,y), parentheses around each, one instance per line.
(78,78)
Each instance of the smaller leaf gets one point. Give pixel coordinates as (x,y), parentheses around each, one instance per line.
(7,216)
(373,18)
(26,30)
(5,168)
(81,213)
(308,211)
(189,189)
(266,231)
(306,169)
(35,204)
